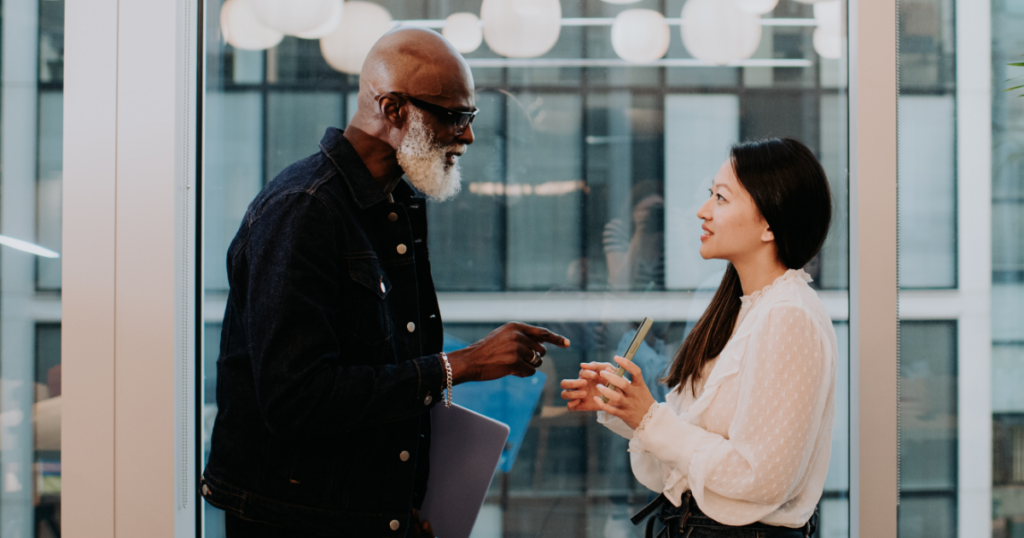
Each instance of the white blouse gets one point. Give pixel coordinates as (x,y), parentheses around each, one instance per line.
(754,445)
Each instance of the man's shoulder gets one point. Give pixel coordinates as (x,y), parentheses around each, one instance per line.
(314,176)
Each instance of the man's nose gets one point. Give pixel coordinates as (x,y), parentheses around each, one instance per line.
(467,136)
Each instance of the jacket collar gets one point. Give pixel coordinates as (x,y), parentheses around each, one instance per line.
(339,150)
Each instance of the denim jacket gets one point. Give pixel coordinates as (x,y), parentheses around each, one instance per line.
(329,361)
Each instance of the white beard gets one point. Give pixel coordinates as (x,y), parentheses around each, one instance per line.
(424,161)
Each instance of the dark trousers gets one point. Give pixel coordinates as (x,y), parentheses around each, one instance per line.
(688,521)
(236,527)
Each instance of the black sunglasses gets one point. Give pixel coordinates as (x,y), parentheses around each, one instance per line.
(460,118)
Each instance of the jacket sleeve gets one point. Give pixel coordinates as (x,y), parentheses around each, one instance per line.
(306,385)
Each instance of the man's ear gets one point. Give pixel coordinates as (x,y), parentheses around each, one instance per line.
(391,111)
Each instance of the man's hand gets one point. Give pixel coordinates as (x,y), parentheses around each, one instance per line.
(506,351)
(420,528)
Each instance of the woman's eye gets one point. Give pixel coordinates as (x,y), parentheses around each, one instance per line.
(719,196)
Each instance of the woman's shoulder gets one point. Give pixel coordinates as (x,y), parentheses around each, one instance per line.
(793,297)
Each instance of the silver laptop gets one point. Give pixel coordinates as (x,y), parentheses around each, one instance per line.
(465,447)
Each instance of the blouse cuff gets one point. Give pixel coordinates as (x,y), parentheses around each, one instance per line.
(614,424)
(670,438)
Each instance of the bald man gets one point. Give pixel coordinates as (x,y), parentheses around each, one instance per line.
(330,356)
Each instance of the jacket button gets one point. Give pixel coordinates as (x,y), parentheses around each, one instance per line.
(395,524)
(427,400)
(393,217)
(402,248)
(411,327)
(404,456)
(383,289)
(206,491)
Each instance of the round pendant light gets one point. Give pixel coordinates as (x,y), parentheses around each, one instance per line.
(828,15)
(719,32)
(329,24)
(757,7)
(463,31)
(362,24)
(640,35)
(242,29)
(293,17)
(521,28)
(828,44)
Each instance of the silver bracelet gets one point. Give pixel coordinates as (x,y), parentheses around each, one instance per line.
(448,368)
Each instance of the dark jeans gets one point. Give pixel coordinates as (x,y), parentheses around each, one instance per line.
(236,527)
(688,521)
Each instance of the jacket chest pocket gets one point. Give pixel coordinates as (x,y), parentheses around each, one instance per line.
(365,314)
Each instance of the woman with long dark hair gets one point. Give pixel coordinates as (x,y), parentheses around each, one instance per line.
(741,446)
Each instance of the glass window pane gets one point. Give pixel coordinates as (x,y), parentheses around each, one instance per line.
(1007,270)
(544,192)
(233,172)
(928,407)
(927,192)
(295,124)
(699,129)
(581,189)
(31,182)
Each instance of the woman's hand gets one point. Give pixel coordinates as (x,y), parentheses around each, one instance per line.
(580,392)
(633,399)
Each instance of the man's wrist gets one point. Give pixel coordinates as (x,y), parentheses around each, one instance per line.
(455,358)
(447,377)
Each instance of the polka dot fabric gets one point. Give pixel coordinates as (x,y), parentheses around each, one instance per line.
(754,444)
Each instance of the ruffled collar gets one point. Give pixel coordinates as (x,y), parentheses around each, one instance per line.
(788,276)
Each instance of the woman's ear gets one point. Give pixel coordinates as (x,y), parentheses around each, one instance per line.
(767,236)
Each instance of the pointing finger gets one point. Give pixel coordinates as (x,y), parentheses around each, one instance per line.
(543,335)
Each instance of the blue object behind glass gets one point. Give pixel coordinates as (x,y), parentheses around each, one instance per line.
(511,400)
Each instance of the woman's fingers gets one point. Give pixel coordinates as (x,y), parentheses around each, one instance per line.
(595,366)
(613,379)
(573,383)
(632,368)
(613,397)
(614,411)
(588,375)
(573,394)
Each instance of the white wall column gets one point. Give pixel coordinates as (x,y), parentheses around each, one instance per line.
(87,289)
(129,145)
(974,208)
(873,292)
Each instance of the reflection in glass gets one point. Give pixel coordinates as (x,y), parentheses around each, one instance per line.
(1007,273)
(31,171)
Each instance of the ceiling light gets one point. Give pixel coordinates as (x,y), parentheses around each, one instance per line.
(640,35)
(293,17)
(463,31)
(521,28)
(362,24)
(25,246)
(242,29)
(329,25)
(718,31)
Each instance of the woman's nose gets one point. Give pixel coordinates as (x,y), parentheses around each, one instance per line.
(704,212)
